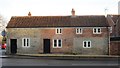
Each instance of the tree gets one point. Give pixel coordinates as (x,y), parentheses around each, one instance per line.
(3,24)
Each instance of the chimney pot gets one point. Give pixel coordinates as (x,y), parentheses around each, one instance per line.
(73,12)
(29,14)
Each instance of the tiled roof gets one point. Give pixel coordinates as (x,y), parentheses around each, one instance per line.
(57,21)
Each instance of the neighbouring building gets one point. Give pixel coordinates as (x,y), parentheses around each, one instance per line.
(114,22)
(85,35)
(119,7)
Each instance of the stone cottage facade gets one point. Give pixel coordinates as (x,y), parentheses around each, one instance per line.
(85,35)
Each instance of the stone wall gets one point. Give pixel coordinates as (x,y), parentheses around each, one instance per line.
(99,42)
(68,36)
(99,46)
(18,34)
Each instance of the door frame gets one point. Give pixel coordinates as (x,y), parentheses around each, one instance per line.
(13,49)
(46,45)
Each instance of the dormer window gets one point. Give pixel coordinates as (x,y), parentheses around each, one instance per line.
(78,30)
(58,31)
(96,30)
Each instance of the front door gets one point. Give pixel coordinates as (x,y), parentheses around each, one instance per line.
(46,45)
(13,45)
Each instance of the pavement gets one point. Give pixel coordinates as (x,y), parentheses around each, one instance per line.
(58,56)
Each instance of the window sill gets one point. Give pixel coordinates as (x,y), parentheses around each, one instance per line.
(96,33)
(57,47)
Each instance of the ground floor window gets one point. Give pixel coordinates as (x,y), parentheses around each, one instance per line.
(57,43)
(86,44)
(26,42)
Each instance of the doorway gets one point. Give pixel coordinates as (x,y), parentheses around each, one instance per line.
(13,45)
(46,45)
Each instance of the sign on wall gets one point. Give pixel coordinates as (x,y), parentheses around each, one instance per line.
(3,33)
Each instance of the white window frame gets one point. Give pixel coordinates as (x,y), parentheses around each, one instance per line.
(79,30)
(25,42)
(96,31)
(57,42)
(87,44)
(58,30)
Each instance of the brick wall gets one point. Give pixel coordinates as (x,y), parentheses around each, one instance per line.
(115,47)
(68,35)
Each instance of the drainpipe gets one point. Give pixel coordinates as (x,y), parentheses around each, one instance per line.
(108,41)
(108,38)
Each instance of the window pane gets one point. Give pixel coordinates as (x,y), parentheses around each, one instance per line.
(55,43)
(57,31)
(88,44)
(77,30)
(27,42)
(95,30)
(84,44)
(60,31)
(59,43)
(99,30)
(24,42)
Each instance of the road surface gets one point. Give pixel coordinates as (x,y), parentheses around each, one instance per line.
(36,61)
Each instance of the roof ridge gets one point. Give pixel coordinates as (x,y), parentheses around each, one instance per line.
(62,16)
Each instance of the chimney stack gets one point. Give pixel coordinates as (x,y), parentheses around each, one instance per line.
(73,12)
(29,14)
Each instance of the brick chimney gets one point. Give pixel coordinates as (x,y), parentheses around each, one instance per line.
(73,12)
(29,14)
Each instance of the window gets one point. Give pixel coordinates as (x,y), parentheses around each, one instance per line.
(78,30)
(57,43)
(58,31)
(25,42)
(86,44)
(96,30)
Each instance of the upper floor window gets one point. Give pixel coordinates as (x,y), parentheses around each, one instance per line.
(78,30)
(86,44)
(96,30)
(58,31)
(57,43)
(25,42)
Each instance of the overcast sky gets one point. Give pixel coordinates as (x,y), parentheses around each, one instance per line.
(10,8)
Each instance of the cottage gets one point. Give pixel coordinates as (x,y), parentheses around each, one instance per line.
(85,35)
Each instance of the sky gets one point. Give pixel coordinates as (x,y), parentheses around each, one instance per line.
(10,8)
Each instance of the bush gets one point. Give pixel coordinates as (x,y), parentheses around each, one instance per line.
(3,40)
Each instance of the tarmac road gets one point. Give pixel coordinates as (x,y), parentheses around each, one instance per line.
(43,61)
(58,62)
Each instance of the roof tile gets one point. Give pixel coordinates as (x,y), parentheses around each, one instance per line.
(57,21)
